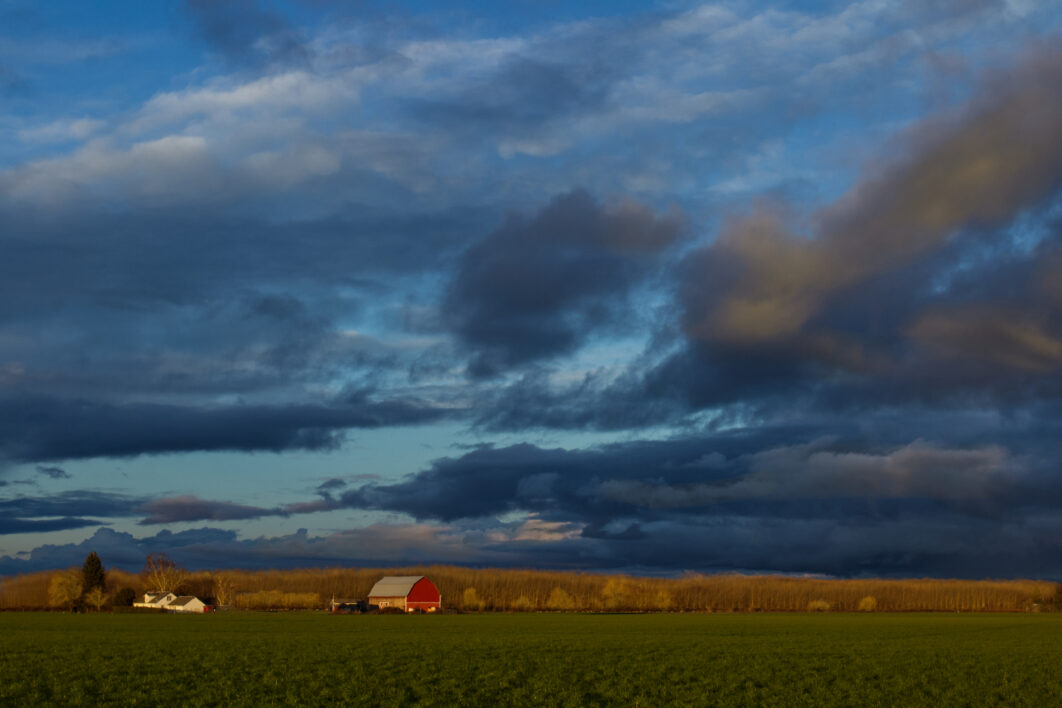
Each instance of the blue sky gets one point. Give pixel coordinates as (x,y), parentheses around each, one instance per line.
(744,286)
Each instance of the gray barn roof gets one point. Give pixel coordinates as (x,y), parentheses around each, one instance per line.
(183,600)
(394,585)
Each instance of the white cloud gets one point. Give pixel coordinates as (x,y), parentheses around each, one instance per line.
(63,130)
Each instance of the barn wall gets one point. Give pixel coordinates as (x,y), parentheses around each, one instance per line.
(424,591)
(391,601)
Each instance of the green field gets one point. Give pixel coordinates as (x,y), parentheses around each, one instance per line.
(530,659)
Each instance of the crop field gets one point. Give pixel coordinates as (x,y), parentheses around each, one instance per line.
(310,658)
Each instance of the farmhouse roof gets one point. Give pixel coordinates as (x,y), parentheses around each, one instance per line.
(183,600)
(394,585)
(153,596)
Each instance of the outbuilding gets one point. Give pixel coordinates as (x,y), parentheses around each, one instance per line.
(187,603)
(406,592)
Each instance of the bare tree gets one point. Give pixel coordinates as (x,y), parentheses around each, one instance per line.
(224,589)
(96,597)
(65,589)
(161,574)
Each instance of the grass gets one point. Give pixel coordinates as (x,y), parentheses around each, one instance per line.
(314,659)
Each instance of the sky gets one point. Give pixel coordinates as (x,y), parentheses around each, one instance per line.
(601,286)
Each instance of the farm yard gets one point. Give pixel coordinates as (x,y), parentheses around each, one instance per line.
(311,658)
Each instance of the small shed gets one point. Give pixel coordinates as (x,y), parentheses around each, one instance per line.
(187,603)
(347,606)
(406,592)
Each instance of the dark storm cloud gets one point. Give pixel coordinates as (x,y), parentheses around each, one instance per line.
(121,334)
(915,288)
(188,507)
(944,546)
(74,503)
(152,259)
(536,288)
(245,33)
(758,472)
(378,545)
(753,500)
(11,525)
(330,485)
(53,472)
(67,510)
(122,550)
(40,429)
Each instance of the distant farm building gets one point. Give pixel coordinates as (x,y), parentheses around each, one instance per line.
(187,603)
(348,606)
(406,592)
(172,603)
(156,600)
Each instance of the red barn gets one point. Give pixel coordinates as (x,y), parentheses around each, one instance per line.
(407,592)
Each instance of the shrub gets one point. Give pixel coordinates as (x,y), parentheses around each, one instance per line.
(559,599)
(470,600)
(521,604)
(818,606)
(616,594)
(868,604)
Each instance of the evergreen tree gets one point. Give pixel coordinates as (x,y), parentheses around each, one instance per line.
(92,574)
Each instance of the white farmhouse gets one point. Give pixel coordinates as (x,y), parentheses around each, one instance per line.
(156,600)
(172,603)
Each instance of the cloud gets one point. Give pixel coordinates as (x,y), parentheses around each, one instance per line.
(745,470)
(245,33)
(521,100)
(72,503)
(330,485)
(535,288)
(53,472)
(66,510)
(380,544)
(760,283)
(944,546)
(62,130)
(998,336)
(915,471)
(16,525)
(189,507)
(41,429)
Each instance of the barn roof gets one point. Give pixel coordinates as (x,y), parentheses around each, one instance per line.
(394,585)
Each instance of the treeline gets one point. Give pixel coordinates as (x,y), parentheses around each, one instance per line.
(533,590)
